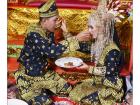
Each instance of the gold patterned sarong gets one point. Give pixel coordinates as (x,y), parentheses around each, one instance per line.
(30,87)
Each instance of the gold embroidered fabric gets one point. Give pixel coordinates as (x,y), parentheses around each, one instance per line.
(108,91)
(76,19)
(82,90)
(20,18)
(36,28)
(76,76)
(116,86)
(54,13)
(30,87)
(101,70)
(71,43)
(49,9)
(106,50)
(46,6)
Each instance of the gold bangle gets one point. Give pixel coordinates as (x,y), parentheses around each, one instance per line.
(91,69)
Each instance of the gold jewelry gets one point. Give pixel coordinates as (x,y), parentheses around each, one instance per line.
(91,69)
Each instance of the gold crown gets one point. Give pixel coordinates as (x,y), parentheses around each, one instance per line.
(102,13)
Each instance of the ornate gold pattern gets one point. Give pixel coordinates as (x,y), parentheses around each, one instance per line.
(116,86)
(50,14)
(106,50)
(37,28)
(105,92)
(82,90)
(91,69)
(99,71)
(20,18)
(71,43)
(33,85)
(76,76)
(14,50)
(76,19)
(46,6)
(108,93)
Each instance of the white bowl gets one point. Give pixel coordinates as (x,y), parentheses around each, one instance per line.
(16,102)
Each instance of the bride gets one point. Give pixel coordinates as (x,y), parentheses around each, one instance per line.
(105,86)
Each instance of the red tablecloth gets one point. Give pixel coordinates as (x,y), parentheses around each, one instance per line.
(73,75)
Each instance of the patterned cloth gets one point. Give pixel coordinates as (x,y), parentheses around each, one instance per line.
(32,77)
(36,51)
(102,90)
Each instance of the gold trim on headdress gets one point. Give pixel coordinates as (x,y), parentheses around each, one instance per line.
(54,13)
(49,9)
(46,6)
(102,17)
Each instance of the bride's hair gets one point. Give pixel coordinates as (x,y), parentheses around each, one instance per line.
(104,22)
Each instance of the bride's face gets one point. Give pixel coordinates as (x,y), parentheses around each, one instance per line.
(92,27)
(95,29)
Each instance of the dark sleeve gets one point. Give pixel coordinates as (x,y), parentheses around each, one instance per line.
(45,46)
(111,79)
(85,47)
(112,63)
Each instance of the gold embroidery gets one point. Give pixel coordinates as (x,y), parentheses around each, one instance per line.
(117,86)
(33,85)
(71,43)
(82,90)
(91,69)
(50,14)
(64,42)
(20,18)
(105,92)
(29,95)
(99,71)
(106,51)
(98,80)
(46,6)
(36,28)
